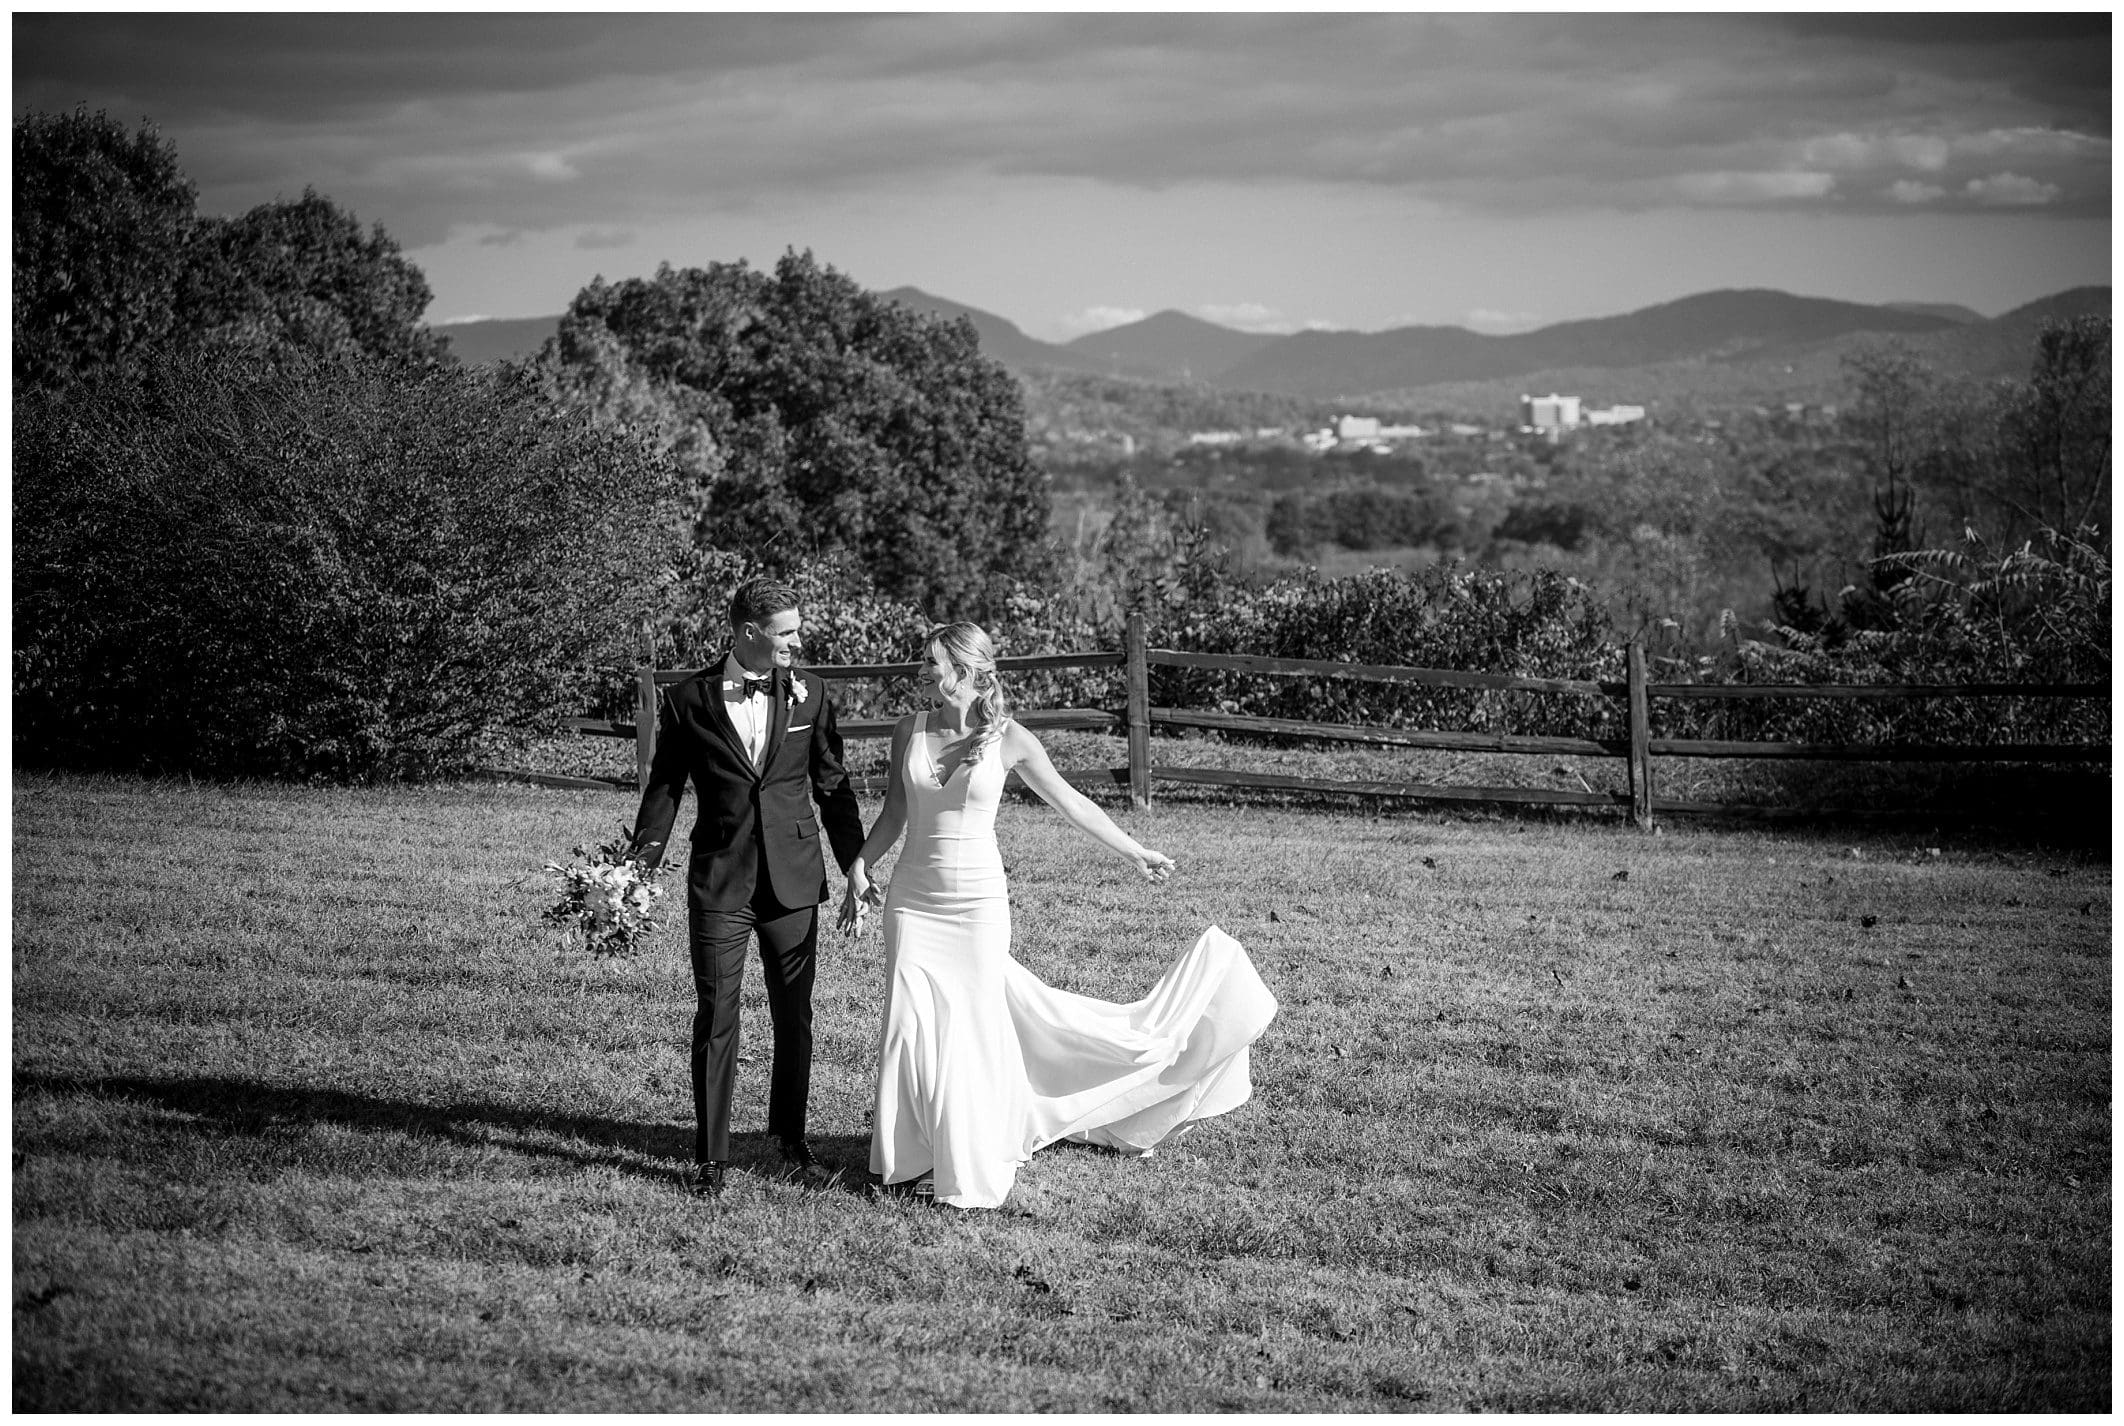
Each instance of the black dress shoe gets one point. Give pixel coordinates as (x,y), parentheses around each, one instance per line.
(705,1180)
(797,1154)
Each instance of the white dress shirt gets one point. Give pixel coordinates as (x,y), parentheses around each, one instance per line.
(749,716)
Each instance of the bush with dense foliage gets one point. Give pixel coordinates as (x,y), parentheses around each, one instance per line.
(1539,624)
(2035,614)
(349,570)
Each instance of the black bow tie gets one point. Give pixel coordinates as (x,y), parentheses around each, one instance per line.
(749,686)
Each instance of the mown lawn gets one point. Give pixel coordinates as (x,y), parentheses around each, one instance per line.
(309,1115)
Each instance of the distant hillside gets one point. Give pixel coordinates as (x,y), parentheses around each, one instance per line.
(2004,345)
(1952,311)
(2001,347)
(1713,349)
(1709,325)
(491,339)
(1172,345)
(1000,338)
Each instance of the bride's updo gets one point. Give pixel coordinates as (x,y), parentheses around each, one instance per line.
(971,654)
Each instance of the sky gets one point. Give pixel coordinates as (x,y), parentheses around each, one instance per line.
(1074,171)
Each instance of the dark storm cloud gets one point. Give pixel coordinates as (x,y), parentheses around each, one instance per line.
(291,68)
(533,122)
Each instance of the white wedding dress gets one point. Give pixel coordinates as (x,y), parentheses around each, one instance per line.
(980,1063)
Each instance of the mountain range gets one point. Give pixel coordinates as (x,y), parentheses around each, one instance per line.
(1758,341)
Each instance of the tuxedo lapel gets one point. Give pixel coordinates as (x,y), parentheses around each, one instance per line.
(778,718)
(719,713)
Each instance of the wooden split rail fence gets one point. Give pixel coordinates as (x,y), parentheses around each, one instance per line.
(1639,747)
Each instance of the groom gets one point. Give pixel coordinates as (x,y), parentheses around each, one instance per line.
(751,730)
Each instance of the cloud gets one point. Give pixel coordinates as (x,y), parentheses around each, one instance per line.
(548,121)
(1245,316)
(1926,152)
(1909,190)
(1098,319)
(594,239)
(551,167)
(1743,188)
(1484,319)
(507,238)
(2032,145)
(2011,190)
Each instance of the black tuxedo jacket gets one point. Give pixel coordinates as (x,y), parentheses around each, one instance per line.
(750,820)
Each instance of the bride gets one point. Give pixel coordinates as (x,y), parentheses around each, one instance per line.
(980,1062)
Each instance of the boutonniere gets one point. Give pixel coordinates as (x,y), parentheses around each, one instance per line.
(797,689)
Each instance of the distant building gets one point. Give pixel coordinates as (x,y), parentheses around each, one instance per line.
(1615,416)
(1320,440)
(1357,428)
(1548,413)
(1216,438)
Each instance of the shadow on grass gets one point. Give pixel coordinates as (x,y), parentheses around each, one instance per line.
(235,1108)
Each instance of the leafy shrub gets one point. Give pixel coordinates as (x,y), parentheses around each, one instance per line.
(2035,614)
(1537,624)
(349,571)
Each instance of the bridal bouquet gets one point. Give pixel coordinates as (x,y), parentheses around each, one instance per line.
(606,903)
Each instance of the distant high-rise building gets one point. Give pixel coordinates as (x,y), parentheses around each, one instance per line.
(1548,413)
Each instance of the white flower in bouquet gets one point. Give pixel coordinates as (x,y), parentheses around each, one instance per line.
(607,904)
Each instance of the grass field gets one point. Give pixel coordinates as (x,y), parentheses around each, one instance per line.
(308,1114)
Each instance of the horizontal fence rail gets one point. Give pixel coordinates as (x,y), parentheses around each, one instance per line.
(1637,747)
(1389,737)
(1377,673)
(1878,690)
(1886,752)
(1418,791)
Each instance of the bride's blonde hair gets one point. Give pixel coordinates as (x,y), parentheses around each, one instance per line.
(972,655)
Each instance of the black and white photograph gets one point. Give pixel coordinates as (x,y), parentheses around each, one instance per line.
(988,712)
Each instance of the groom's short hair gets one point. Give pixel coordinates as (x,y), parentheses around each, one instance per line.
(759,599)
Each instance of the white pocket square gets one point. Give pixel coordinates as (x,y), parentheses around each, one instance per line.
(800,728)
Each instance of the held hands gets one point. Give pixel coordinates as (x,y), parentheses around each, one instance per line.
(861,895)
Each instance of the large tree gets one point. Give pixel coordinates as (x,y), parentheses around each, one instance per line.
(105,236)
(2007,459)
(820,420)
(112,259)
(304,274)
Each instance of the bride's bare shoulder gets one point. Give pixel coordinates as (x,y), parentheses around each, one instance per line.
(1019,741)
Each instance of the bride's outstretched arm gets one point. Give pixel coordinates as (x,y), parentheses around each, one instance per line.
(892,821)
(1024,755)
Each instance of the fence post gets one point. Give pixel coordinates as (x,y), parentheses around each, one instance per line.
(1639,720)
(1138,712)
(644,724)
